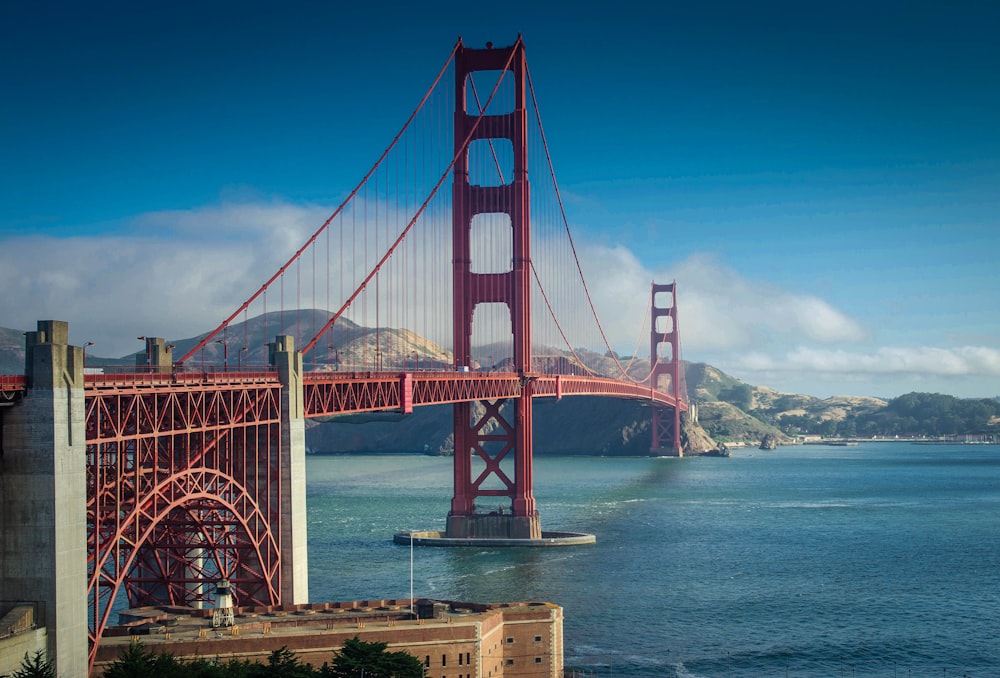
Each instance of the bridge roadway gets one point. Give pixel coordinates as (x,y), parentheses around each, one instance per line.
(331,393)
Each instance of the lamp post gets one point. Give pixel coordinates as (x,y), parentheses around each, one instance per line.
(239,357)
(89,343)
(335,359)
(225,354)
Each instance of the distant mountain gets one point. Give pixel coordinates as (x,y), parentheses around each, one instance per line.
(727,410)
(730,410)
(12,353)
(733,411)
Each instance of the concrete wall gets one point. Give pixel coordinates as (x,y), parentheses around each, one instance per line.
(43,497)
(14,648)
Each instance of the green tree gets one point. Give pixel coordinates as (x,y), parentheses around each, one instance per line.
(828,428)
(135,661)
(740,395)
(36,666)
(357,659)
(282,664)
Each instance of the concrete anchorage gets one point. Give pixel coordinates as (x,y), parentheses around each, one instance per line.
(43,497)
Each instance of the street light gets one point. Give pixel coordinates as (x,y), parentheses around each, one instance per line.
(89,343)
(239,357)
(225,354)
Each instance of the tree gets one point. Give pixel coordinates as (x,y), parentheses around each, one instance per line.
(357,659)
(282,664)
(136,661)
(740,395)
(35,667)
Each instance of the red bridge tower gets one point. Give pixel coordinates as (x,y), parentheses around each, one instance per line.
(666,422)
(488,435)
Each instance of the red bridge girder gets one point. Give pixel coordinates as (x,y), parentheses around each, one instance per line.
(328,393)
(183,489)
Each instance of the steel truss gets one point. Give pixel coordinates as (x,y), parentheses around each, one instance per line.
(183,489)
(329,393)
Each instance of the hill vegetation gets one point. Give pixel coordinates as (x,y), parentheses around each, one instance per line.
(731,411)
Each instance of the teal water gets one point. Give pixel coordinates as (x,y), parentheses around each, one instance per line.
(876,560)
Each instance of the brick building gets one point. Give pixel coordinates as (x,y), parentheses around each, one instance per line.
(451,639)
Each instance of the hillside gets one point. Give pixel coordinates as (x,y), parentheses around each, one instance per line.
(727,410)
(733,411)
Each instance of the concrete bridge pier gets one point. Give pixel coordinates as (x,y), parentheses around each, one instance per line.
(43,497)
(294,551)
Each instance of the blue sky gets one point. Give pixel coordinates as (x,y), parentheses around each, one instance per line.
(822,180)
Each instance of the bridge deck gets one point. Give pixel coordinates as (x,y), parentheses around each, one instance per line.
(329,393)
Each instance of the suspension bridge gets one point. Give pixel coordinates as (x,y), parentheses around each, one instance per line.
(447,276)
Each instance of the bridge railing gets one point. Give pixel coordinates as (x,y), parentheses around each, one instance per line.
(144,375)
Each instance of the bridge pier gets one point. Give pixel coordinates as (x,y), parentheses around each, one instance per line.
(294,550)
(494,526)
(43,497)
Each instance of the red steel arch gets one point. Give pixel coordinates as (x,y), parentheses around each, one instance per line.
(183,488)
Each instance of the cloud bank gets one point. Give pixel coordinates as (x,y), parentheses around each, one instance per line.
(181,273)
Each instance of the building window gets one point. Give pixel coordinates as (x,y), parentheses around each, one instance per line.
(444,660)
(510,640)
(538,660)
(467,659)
(538,639)
(459,658)
(510,662)
(427,660)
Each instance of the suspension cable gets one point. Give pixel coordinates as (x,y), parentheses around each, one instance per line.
(333,216)
(402,235)
(569,235)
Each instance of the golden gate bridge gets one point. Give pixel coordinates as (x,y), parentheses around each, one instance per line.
(175,474)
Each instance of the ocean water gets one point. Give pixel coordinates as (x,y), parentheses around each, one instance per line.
(812,561)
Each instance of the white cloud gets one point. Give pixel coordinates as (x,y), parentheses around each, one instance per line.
(182,273)
(925,360)
(718,308)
